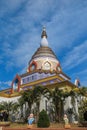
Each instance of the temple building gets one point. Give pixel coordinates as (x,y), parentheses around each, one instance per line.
(43,69)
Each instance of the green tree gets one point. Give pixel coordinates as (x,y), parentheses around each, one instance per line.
(8,106)
(43,121)
(38,92)
(21,102)
(27,97)
(57,96)
(76,95)
(83,91)
(83,111)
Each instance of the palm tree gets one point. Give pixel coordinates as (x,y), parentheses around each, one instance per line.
(64,95)
(27,100)
(77,93)
(57,95)
(83,91)
(15,107)
(21,102)
(73,95)
(1,107)
(27,97)
(38,92)
(83,112)
(7,106)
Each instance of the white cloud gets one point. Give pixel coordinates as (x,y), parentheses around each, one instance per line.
(76,56)
(68,25)
(21,23)
(65,23)
(8,83)
(20,56)
(7,7)
(81,73)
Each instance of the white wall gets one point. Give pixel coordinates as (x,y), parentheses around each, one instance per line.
(13,99)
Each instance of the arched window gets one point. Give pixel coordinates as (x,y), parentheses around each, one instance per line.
(47,66)
(32,67)
(15,85)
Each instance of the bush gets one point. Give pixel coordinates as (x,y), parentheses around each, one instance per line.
(43,120)
(83,112)
(85,115)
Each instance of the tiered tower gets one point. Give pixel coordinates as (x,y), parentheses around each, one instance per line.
(43,70)
(44,58)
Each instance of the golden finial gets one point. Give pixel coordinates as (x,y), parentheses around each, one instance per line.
(44,32)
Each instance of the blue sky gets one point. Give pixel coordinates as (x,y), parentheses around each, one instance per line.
(21,23)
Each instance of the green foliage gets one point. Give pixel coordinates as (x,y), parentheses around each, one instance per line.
(8,106)
(82,110)
(57,100)
(43,121)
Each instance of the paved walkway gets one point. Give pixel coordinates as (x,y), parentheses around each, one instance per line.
(79,128)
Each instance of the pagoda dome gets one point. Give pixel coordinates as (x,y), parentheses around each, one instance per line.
(44,58)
